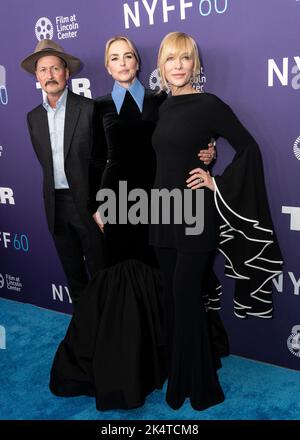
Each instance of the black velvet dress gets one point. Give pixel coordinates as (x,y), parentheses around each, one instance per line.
(114,346)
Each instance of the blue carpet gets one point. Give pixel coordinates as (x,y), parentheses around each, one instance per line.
(254,391)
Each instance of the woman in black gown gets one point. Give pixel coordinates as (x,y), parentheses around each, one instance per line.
(114,348)
(247,238)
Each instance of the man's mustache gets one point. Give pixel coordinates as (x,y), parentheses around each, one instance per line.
(52,81)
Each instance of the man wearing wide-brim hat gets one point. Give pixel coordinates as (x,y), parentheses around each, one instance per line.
(61,131)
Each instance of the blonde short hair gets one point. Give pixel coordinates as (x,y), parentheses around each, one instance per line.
(175,43)
(120,38)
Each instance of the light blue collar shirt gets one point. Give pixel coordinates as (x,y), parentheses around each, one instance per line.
(136,89)
(56,122)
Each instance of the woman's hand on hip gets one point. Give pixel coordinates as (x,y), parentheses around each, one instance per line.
(200,179)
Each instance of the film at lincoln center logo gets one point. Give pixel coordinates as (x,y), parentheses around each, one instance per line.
(296,148)
(1,281)
(65,27)
(44,29)
(293,341)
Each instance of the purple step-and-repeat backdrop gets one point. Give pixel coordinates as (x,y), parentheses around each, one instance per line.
(250,52)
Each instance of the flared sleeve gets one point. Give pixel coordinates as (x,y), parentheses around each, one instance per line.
(247,237)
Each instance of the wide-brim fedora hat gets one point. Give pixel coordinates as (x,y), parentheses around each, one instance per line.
(48,47)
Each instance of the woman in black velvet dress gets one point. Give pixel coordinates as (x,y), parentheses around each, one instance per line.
(237,199)
(114,348)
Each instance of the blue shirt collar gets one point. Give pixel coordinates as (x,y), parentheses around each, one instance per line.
(136,89)
(61,102)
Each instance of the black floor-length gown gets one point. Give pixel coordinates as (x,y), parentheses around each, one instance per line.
(114,346)
(237,212)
